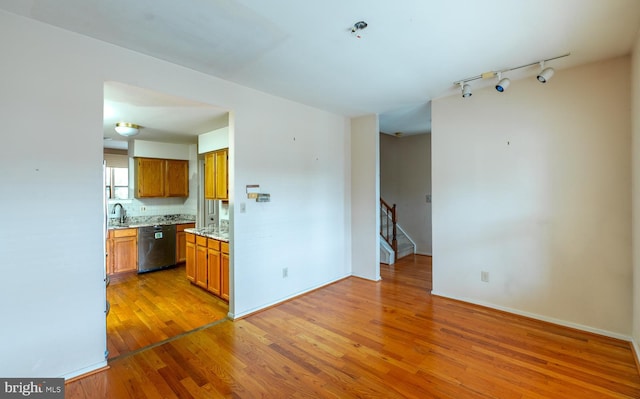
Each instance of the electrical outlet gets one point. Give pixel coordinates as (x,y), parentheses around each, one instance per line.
(243,207)
(484,276)
(285,272)
(143,209)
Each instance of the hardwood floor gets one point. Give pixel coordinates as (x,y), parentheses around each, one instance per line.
(388,339)
(152,307)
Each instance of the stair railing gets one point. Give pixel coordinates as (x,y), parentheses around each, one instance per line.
(388,223)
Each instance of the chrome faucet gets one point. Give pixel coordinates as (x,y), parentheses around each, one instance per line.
(122,214)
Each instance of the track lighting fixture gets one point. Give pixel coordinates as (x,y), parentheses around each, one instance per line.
(466,90)
(503,83)
(545,74)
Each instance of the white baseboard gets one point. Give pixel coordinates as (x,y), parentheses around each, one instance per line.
(536,316)
(86,370)
(248,312)
(636,352)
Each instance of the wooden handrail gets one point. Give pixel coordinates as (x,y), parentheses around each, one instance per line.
(388,212)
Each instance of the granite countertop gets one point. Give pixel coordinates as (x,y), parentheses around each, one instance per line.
(220,235)
(135,222)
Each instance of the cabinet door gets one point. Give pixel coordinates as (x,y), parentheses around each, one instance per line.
(214,284)
(190,255)
(201,265)
(181,241)
(125,254)
(222,174)
(209,175)
(224,276)
(109,254)
(177,178)
(150,177)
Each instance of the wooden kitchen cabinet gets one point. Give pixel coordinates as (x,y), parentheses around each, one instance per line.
(208,264)
(124,250)
(177,181)
(109,254)
(224,271)
(216,174)
(209,175)
(222,174)
(190,256)
(156,177)
(202,272)
(181,241)
(150,177)
(214,284)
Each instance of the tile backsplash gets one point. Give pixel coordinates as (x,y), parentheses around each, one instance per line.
(153,207)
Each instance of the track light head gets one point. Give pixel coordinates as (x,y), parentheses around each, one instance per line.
(503,84)
(466,90)
(545,75)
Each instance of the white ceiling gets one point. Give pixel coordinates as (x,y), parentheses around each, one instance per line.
(162,117)
(411,52)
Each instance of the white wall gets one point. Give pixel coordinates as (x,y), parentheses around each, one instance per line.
(213,140)
(52,239)
(365,197)
(152,149)
(405,180)
(635,172)
(533,186)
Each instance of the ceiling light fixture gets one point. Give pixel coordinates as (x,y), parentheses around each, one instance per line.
(357,28)
(545,73)
(127,129)
(466,89)
(502,85)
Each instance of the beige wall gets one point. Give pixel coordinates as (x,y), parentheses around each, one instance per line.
(534,186)
(405,180)
(635,150)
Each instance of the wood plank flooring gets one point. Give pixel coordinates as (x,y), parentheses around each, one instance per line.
(151,307)
(363,339)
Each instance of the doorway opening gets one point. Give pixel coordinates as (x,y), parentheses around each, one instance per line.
(147,308)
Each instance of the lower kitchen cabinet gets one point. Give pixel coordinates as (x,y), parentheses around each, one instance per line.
(208,264)
(213,264)
(122,251)
(181,241)
(224,270)
(201,262)
(190,256)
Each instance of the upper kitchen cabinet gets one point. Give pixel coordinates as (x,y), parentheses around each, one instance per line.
(177,182)
(161,178)
(216,174)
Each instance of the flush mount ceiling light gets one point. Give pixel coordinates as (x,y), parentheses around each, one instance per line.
(503,83)
(127,129)
(357,28)
(544,75)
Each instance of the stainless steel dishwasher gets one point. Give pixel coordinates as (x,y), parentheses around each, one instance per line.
(156,247)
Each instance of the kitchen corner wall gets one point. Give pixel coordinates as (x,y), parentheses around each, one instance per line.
(534,186)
